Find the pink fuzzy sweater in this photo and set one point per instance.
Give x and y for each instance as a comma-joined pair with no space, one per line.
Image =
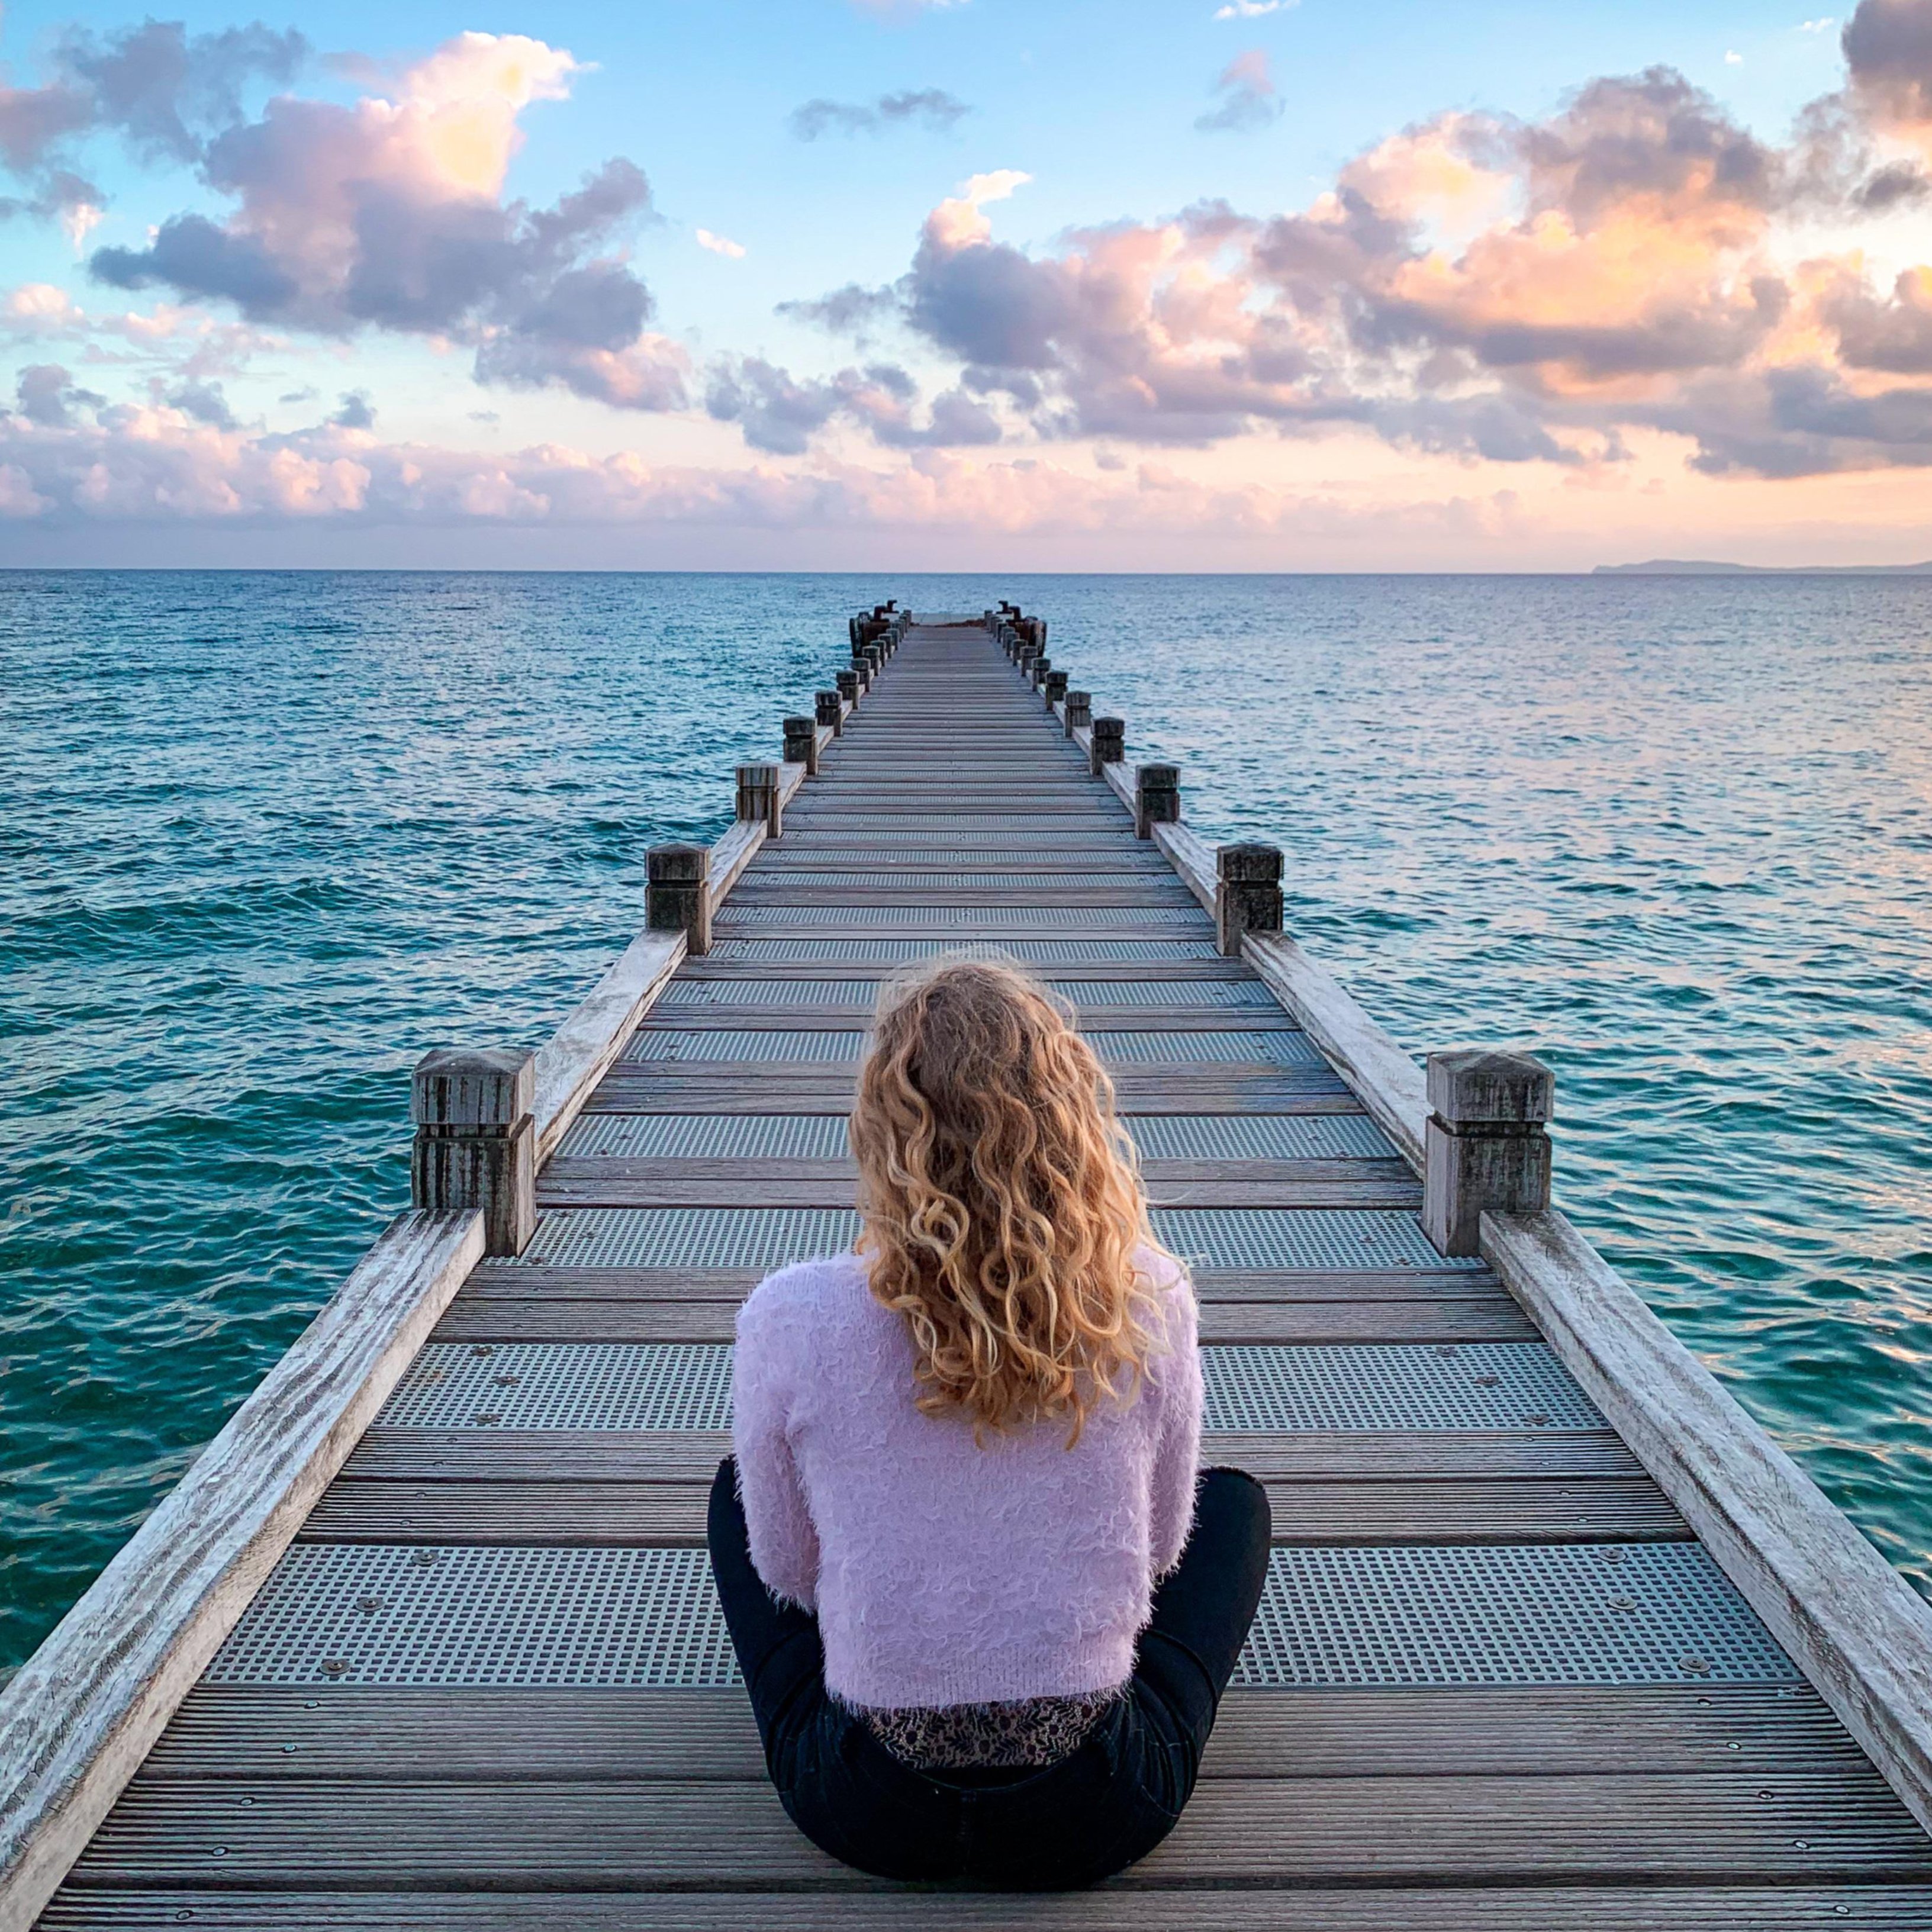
942,1572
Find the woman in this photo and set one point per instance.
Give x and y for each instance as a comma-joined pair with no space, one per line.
984,1602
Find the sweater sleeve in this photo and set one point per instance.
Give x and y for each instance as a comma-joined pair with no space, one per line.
1176,1446
784,1545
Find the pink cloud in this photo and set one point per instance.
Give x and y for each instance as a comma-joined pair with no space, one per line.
389,213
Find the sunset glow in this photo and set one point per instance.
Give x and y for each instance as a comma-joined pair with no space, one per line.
576,296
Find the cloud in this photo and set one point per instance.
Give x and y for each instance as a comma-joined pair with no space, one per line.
389,213
167,93
165,90
782,414
356,412
1888,46
1248,100
851,310
1477,287
46,396
931,109
203,402
158,465
1252,9
718,244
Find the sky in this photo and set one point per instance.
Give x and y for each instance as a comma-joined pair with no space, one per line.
969,284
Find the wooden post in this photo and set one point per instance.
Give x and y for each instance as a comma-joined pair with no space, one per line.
1485,1146
829,718
1055,686
847,681
1247,893
1079,711
1037,670
758,797
1109,745
677,893
476,1140
1157,798
801,744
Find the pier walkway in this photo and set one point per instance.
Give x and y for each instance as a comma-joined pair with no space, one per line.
477,1679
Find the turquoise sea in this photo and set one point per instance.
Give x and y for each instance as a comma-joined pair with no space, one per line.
265,838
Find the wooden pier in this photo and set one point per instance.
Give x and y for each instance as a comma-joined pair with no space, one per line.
1554,1637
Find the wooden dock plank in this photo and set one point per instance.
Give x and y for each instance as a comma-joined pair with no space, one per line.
1333,1512
1716,1907
466,1735
1702,1827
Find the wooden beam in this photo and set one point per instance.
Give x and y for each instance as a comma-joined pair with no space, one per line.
77,1720
1854,1625
570,1063
732,854
1388,1082
1193,859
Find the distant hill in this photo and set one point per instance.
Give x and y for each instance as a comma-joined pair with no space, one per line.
1670,566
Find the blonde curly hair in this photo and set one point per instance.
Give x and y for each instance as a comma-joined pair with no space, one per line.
1003,1210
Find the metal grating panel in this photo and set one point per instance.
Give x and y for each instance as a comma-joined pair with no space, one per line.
689,1237
731,1043
823,1137
1041,838
1251,1238
1034,951
1257,1387
565,1385
860,994
364,1613
1260,1137
1629,1613
1118,1048
709,1136
1641,1613
741,914
1284,1048
1106,859
952,822
1218,994
1272,1388
1301,1238
792,879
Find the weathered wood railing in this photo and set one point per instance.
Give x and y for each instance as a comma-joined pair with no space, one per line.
1852,1623
82,1713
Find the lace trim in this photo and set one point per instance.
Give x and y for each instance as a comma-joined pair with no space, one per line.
1022,1732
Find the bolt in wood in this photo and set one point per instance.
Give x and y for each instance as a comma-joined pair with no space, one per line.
1485,1144
677,893
758,797
1247,893
801,744
476,1140
1109,745
1157,798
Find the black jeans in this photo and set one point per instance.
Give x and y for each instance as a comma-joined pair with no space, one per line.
1070,1824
